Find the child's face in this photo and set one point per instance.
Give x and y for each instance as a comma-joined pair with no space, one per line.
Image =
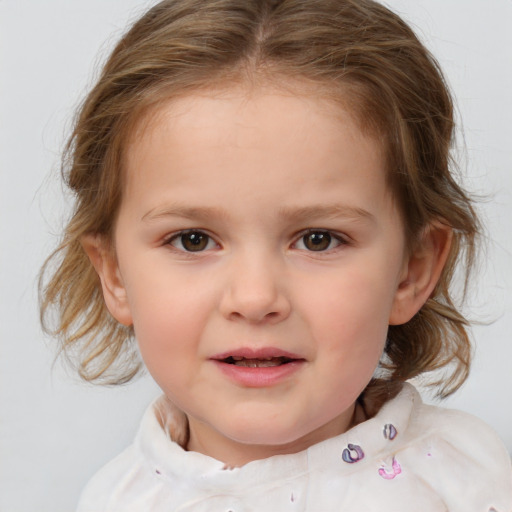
260,255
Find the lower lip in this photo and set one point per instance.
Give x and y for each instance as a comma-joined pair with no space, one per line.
254,377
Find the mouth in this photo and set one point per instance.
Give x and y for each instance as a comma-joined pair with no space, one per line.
266,357
267,362
258,368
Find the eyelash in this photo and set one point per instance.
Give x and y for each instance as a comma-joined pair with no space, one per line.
180,236
204,240
332,237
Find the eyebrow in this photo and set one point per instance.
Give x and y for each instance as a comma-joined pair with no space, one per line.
184,212
333,211
289,213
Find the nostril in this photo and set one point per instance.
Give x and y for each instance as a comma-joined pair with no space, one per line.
254,318
253,302
257,317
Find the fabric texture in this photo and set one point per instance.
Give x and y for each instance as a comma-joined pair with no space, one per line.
410,456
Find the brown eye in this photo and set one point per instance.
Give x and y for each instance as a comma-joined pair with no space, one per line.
192,241
317,241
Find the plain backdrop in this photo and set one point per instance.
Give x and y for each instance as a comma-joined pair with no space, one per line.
56,431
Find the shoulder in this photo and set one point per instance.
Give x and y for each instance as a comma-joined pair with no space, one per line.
97,494
124,479
133,479
468,436
460,456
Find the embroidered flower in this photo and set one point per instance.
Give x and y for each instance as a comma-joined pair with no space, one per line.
353,453
390,431
389,473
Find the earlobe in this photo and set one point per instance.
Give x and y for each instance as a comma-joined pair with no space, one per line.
421,272
104,262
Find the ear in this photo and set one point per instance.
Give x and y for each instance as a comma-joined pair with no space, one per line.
103,258
421,271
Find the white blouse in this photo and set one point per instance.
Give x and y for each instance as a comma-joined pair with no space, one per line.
410,457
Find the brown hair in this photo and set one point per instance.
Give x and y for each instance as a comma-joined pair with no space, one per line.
360,52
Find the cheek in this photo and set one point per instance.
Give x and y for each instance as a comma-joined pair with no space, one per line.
168,343
165,301
349,322
167,323
357,302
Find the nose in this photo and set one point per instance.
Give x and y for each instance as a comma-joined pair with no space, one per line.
255,291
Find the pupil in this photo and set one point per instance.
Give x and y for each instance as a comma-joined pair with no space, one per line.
194,241
317,241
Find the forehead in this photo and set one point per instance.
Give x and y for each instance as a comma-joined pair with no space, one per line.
280,113
258,146
337,101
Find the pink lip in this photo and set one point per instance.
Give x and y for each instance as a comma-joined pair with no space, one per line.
258,377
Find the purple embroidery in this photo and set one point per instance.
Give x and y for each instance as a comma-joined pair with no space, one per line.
387,474
390,431
347,453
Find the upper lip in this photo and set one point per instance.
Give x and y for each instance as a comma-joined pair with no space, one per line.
256,353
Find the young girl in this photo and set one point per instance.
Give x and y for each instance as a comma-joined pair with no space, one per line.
264,202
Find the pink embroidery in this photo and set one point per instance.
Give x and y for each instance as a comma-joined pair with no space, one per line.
396,469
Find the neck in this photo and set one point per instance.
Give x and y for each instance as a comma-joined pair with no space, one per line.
205,440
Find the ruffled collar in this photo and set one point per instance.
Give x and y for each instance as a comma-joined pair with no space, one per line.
164,429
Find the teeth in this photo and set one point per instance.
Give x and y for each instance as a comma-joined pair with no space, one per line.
257,363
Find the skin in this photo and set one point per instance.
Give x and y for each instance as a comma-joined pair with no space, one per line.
255,173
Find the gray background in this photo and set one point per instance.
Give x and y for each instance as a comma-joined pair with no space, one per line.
55,431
